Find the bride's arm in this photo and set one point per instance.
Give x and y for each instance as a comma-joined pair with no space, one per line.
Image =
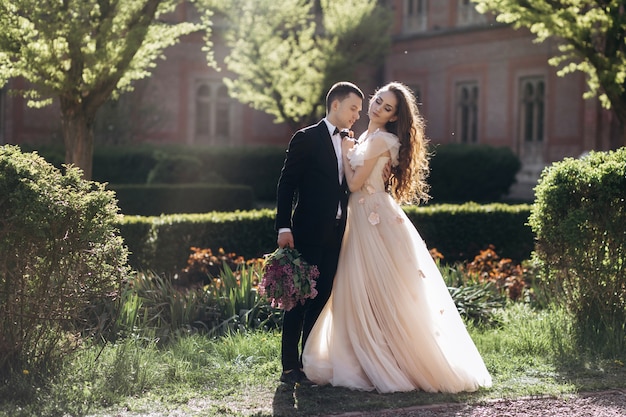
356,177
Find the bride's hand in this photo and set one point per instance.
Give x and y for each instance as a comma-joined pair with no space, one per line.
347,144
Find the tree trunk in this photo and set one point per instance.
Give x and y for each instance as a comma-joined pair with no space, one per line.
618,107
622,120
77,128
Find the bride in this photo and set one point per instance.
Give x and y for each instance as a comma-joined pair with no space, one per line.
390,323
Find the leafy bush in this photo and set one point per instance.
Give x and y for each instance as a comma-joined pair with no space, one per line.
507,276
480,173
61,258
579,218
203,265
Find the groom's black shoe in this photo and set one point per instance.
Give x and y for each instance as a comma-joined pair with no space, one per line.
295,376
291,377
303,379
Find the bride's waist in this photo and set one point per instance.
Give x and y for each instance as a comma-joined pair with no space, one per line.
364,192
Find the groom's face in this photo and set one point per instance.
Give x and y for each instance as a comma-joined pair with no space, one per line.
347,111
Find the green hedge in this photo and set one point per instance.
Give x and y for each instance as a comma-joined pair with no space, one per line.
459,232
459,173
257,167
153,200
481,173
163,243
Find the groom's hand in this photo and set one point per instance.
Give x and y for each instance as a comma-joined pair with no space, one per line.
285,239
387,171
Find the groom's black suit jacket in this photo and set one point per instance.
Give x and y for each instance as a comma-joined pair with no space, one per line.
310,174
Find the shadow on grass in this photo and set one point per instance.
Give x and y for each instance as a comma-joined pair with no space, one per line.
328,400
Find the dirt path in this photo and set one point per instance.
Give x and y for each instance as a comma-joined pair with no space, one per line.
593,404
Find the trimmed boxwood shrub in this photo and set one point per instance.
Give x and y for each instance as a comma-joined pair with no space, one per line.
123,164
255,166
459,232
153,200
579,218
163,243
480,173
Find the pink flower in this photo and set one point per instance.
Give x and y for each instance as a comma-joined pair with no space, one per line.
361,200
374,218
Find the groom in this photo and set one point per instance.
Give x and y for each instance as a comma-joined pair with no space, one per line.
313,174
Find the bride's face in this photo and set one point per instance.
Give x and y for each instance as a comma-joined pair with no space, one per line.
383,107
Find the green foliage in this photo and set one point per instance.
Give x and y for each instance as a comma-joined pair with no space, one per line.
592,36
153,200
475,301
154,306
83,48
82,52
61,259
287,54
480,173
241,306
159,307
579,219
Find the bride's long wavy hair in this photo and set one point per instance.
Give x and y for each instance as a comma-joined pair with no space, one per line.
408,179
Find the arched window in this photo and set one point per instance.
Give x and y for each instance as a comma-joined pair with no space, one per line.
415,16
203,111
223,114
213,115
532,109
467,14
467,112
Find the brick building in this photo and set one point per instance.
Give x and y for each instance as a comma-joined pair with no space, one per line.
478,81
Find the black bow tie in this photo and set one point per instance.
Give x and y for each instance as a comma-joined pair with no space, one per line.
342,133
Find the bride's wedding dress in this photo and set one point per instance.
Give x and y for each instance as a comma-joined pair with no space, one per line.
390,323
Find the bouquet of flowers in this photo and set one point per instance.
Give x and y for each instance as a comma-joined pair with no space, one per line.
287,279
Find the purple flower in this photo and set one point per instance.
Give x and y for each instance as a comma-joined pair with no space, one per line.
288,279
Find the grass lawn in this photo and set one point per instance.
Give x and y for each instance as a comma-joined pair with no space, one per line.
528,353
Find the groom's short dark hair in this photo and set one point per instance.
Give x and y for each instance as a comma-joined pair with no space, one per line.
341,90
